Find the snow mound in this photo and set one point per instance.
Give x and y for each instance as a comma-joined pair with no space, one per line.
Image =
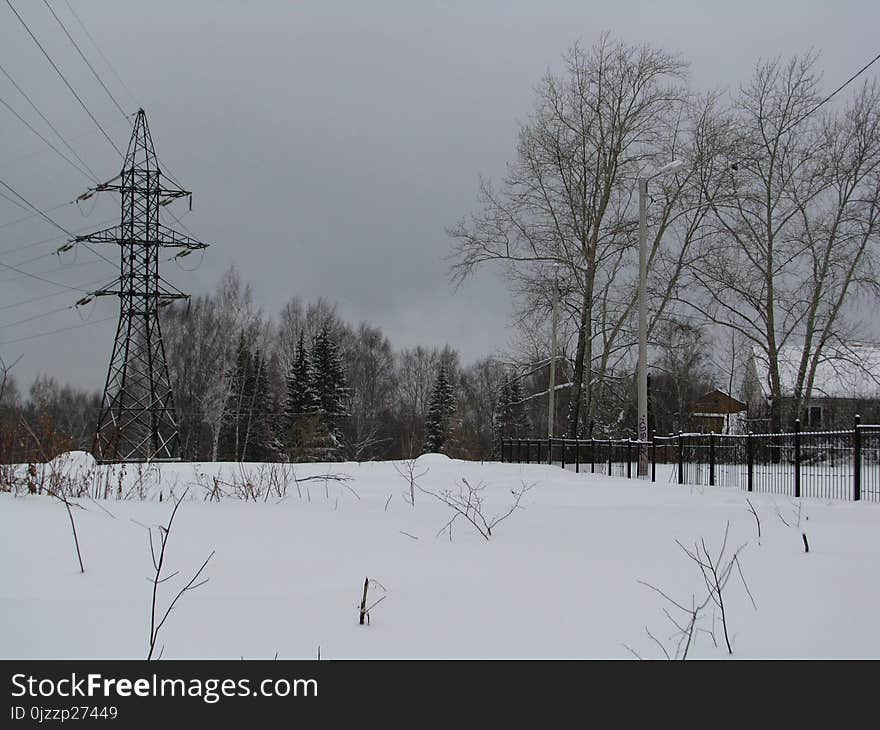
73,461
434,460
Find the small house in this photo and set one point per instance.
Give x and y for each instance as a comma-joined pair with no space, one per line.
712,412
846,383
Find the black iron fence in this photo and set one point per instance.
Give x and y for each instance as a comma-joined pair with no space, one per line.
824,464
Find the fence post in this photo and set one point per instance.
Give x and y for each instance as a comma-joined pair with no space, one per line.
653,454
529,451
549,451
857,458
680,458
711,458
628,458
750,458
519,451
577,456
592,455
539,452
562,461
797,457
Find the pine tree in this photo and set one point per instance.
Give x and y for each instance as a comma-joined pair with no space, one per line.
517,418
303,404
329,382
499,417
440,410
510,419
259,440
233,434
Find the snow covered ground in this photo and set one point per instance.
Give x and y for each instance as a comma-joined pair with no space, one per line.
558,578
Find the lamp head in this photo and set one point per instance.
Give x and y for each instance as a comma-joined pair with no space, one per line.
670,167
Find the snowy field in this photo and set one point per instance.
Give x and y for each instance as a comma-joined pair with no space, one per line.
559,577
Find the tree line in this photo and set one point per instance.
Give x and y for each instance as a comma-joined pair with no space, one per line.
304,386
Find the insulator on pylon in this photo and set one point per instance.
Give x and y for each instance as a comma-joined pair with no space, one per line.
185,252
84,300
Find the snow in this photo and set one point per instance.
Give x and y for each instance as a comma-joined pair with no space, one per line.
558,578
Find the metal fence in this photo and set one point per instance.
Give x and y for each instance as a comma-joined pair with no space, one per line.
823,464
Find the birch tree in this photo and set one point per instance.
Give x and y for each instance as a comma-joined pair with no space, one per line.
570,198
795,208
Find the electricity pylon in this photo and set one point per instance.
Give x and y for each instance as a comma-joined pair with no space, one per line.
137,420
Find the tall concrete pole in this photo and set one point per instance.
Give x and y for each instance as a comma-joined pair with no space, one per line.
551,402
643,328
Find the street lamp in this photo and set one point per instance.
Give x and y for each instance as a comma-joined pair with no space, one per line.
551,392
671,167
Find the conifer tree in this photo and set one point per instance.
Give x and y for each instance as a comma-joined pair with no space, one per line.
303,404
510,419
440,410
259,442
329,383
517,418
233,435
499,417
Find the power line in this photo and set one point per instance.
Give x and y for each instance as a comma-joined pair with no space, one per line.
59,227
47,240
35,208
36,316
31,215
40,278
64,79
832,94
46,296
50,125
100,52
67,267
14,202
65,140
46,141
82,56
54,332
168,171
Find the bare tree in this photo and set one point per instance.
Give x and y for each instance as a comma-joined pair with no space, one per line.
794,195
370,371
415,372
570,198
201,338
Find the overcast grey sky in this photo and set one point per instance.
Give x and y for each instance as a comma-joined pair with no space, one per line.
328,144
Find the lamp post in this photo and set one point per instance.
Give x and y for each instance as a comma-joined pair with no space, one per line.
551,399
673,166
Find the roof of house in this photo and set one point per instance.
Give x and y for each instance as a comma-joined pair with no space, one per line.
853,372
715,403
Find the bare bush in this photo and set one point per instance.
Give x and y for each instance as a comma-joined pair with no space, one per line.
408,472
67,503
467,502
163,533
686,619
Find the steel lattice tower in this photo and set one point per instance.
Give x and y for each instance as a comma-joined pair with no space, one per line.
137,420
